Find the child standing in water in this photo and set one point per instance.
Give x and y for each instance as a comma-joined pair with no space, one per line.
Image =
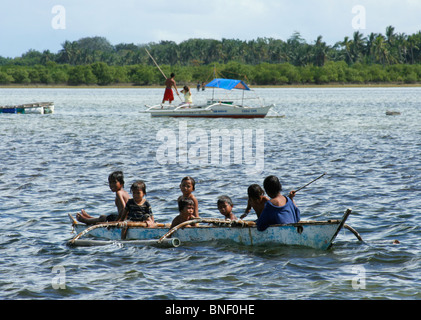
225,206
138,208
187,187
116,183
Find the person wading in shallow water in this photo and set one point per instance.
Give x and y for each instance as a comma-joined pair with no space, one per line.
168,94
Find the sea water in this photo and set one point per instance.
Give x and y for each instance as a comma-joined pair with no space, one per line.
56,164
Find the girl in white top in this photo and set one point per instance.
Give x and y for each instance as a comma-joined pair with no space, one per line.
187,95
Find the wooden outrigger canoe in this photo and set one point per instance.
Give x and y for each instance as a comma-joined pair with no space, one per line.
313,234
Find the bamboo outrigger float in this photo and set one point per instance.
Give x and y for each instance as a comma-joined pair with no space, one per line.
313,234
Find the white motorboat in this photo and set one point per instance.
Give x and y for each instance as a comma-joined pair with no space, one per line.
214,108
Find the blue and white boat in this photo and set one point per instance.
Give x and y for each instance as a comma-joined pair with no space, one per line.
222,107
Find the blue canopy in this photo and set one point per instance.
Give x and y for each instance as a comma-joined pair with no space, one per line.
227,84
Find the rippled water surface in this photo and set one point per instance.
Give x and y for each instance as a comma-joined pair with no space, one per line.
52,165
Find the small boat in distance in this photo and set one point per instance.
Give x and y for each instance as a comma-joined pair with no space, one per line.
32,108
214,108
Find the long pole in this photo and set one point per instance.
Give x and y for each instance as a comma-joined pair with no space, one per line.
310,182
161,70
156,64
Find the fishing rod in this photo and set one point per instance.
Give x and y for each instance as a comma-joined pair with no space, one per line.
289,196
310,182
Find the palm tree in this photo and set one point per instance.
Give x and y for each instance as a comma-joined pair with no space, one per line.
390,36
346,47
320,52
369,47
47,56
381,52
357,46
413,45
69,52
401,44
296,50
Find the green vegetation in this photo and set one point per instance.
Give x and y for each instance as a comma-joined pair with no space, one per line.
377,58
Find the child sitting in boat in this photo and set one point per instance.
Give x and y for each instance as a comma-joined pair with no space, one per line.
225,206
186,212
279,209
138,208
256,200
187,187
187,97
116,183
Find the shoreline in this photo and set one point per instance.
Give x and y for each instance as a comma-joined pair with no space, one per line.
289,86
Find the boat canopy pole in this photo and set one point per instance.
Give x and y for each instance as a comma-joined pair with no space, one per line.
213,89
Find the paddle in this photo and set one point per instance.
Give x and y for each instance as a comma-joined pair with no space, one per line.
309,183
161,70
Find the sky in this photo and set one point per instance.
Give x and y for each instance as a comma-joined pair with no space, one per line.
47,24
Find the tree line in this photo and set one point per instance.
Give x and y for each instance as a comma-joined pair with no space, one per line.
376,58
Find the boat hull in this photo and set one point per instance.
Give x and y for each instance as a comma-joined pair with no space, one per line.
215,111
313,234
